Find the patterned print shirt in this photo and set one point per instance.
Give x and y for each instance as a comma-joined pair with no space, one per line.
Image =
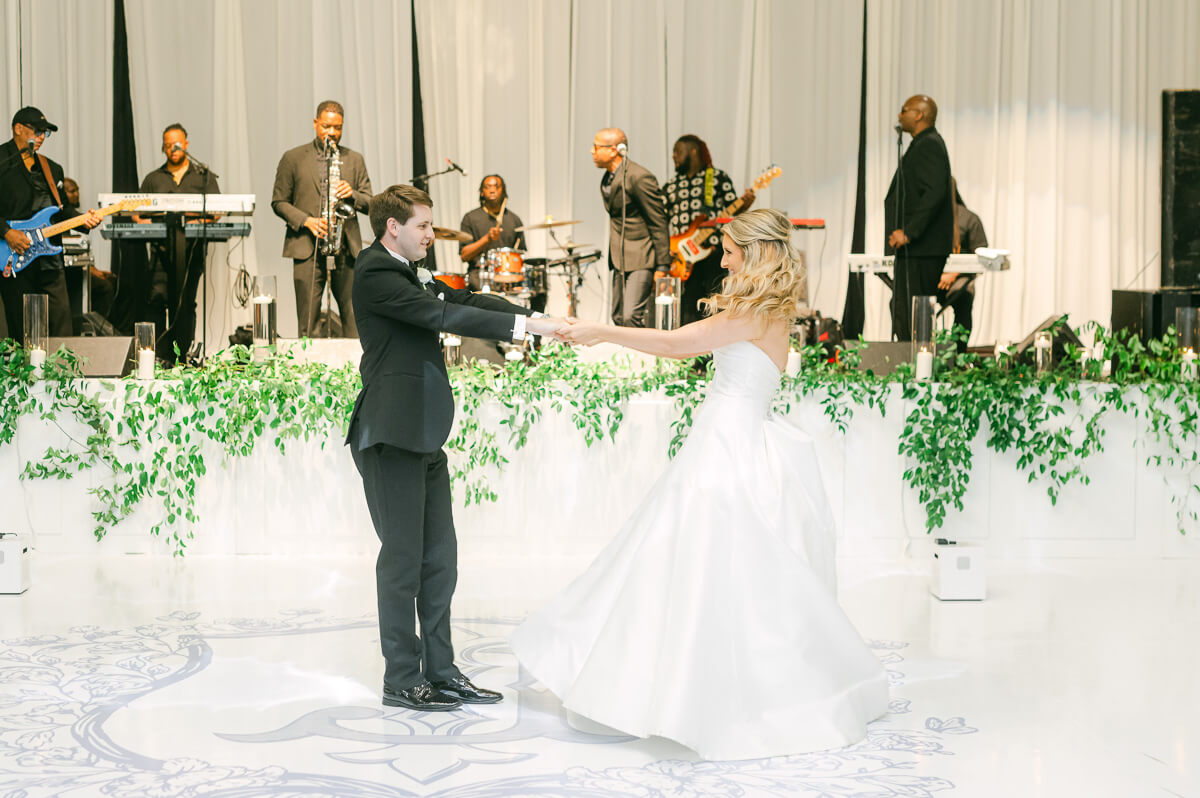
686,199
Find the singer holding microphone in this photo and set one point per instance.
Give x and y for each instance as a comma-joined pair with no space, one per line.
30,182
638,238
299,198
918,212
176,263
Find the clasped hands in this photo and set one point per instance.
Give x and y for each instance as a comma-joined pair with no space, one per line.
566,330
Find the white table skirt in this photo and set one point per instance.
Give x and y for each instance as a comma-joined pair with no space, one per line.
560,498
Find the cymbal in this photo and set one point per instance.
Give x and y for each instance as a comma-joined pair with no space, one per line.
571,246
546,225
450,234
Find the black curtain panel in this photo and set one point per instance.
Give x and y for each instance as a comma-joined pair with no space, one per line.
129,258
855,312
420,165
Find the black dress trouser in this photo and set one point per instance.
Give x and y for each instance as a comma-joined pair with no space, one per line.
43,276
408,494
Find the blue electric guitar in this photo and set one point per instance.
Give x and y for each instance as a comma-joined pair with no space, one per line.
40,231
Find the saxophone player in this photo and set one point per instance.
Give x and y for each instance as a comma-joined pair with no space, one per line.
300,197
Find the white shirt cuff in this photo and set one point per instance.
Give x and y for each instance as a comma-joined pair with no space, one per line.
518,328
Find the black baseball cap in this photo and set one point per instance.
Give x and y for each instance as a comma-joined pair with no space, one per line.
32,117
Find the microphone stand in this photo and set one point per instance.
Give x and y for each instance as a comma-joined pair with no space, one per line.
203,167
422,181
21,151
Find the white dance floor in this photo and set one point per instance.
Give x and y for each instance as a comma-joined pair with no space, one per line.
146,676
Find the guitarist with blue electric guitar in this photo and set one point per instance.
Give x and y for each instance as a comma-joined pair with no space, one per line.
30,186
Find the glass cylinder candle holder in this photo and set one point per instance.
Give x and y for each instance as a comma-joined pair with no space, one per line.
668,294
36,308
143,339
452,349
1187,330
924,311
1043,351
1001,350
263,330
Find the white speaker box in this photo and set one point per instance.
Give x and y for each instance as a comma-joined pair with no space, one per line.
14,563
958,572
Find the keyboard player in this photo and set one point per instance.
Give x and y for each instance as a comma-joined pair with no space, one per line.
176,262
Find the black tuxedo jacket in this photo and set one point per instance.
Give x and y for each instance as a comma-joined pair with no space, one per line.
926,213
406,401
647,238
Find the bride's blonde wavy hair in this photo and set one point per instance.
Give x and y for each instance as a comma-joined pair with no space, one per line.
771,285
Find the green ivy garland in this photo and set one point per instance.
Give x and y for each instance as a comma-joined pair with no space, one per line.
148,437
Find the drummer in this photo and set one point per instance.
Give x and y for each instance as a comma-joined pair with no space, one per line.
491,226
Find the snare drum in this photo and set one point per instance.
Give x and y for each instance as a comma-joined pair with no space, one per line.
505,264
452,280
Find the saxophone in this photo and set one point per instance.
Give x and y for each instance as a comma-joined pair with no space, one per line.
334,211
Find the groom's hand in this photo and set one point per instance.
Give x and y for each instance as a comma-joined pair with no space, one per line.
545,325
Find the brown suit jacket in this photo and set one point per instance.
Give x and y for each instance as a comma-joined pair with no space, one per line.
647,240
299,189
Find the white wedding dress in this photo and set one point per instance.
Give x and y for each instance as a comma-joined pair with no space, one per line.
711,618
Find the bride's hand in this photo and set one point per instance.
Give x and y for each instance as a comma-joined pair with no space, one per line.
586,333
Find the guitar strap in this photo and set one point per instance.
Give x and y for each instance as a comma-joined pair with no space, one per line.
49,180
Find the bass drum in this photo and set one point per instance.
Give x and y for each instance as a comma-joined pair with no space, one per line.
452,280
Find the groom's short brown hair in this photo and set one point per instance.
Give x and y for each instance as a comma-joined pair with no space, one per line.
395,202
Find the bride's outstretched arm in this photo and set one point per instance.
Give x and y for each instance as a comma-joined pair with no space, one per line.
689,340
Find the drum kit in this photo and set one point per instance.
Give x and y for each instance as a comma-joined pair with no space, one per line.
508,271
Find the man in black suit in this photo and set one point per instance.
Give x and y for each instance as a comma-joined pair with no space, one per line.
918,213
297,198
400,421
29,182
638,240
181,261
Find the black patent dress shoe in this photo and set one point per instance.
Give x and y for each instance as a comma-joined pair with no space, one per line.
462,689
423,698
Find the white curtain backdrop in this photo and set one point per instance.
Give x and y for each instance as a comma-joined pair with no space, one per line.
1051,111
245,78
520,89
61,51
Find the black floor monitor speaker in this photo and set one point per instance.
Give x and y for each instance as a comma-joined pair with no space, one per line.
1181,189
1148,314
101,356
1064,335
882,357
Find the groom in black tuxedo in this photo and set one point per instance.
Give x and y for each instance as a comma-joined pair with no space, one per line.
401,419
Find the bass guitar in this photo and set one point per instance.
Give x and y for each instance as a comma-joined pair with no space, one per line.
40,231
689,247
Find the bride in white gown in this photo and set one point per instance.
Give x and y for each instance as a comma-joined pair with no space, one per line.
711,618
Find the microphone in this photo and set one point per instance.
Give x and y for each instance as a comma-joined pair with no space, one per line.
899,130
31,146
199,164
456,167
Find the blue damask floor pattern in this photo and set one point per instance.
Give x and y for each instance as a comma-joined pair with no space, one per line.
239,677
62,698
